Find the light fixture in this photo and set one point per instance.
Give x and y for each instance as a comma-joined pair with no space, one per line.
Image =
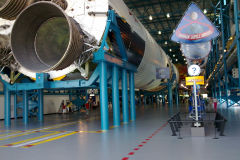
184,59
185,62
176,60
174,31
165,42
174,55
168,15
205,11
225,50
150,17
159,32
170,50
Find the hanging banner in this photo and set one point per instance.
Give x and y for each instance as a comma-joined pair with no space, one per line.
198,79
194,27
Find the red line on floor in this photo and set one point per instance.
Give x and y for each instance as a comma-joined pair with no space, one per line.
28,146
131,153
144,142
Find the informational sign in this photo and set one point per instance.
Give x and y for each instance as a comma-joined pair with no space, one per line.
194,27
198,79
162,73
194,70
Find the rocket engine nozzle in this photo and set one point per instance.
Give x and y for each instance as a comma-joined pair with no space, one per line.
44,38
10,9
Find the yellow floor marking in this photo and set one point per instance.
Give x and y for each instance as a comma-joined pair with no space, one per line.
52,127
31,139
1,135
48,131
19,135
33,131
51,139
91,131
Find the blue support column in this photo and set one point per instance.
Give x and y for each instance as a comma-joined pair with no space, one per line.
132,96
176,93
40,105
104,96
212,92
115,96
219,87
144,99
224,54
125,96
139,98
15,105
163,99
25,107
215,89
7,107
236,16
170,98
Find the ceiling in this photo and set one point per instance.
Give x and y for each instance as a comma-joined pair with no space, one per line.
158,10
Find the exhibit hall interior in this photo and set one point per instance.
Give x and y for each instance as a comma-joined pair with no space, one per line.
119,79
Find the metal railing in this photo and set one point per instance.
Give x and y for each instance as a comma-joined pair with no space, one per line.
176,123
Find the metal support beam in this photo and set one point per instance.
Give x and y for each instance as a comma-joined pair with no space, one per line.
139,98
7,107
115,96
176,94
25,107
103,96
219,87
224,54
15,106
236,15
170,97
125,96
215,88
40,105
163,99
132,96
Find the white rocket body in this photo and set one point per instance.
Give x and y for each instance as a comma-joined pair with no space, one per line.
94,26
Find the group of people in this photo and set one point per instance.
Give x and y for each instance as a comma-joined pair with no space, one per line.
66,107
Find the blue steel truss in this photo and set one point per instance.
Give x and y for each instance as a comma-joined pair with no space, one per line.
108,68
223,86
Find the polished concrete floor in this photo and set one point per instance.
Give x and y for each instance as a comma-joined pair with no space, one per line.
77,136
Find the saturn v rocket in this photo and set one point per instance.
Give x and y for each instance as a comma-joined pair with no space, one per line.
58,36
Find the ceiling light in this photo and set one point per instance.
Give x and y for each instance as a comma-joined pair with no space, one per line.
174,55
170,50
150,17
205,11
165,42
168,15
159,32
176,60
